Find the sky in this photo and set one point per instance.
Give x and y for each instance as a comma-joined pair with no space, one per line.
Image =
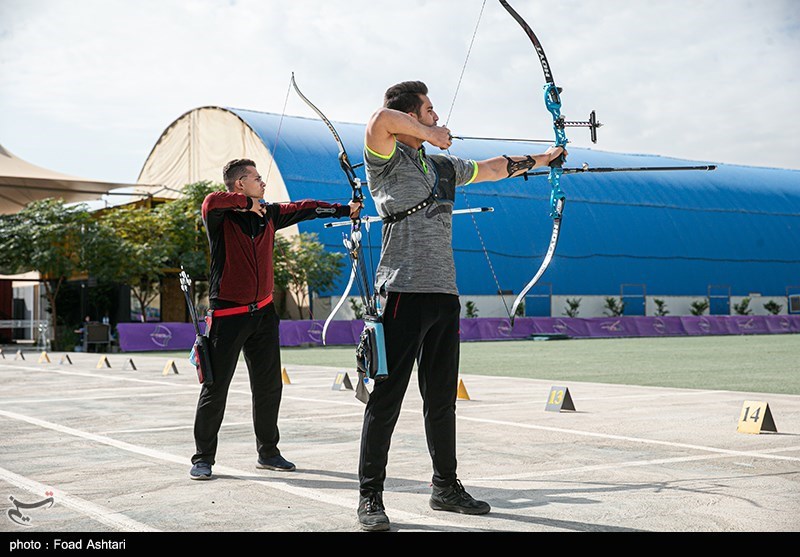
88,86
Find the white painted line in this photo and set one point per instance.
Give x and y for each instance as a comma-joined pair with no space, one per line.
630,439
618,465
95,512
317,400
325,417
106,390
94,437
225,424
80,398
195,388
99,376
539,398
648,396
349,502
170,428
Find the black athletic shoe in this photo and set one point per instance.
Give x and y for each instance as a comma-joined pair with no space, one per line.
277,463
456,499
371,513
200,471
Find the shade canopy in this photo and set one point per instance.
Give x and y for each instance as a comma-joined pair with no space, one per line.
22,182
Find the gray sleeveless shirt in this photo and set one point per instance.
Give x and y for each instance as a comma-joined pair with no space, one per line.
417,251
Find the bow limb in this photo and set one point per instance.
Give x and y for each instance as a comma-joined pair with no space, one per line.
339,304
358,273
344,160
543,267
552,101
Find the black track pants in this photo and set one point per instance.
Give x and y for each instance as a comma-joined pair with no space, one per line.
258,335
423,327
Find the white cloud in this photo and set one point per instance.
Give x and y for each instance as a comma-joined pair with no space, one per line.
87,86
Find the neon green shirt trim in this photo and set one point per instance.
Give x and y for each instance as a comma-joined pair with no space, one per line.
384,157
474,173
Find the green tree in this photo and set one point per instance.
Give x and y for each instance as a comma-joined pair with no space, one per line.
281,274
140,245
186,235
699,307
103,253
184,231
357,307
661,307
572,307
743,307
306,266
614,307
471,311
48,237
773,307
280,258
141,254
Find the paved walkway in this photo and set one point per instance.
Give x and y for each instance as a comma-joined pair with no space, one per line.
111,446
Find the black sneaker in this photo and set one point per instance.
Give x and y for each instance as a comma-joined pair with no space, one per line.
277,463
371,513
200,471
456,499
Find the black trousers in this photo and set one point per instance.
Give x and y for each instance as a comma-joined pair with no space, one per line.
258,335
422,328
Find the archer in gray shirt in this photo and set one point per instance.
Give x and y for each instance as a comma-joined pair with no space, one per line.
414,194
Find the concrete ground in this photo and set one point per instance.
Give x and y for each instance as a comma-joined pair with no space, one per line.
111,447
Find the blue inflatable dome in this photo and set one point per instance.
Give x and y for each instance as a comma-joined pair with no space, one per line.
675,232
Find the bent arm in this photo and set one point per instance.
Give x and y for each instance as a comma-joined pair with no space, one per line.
217,203
221,201
386,123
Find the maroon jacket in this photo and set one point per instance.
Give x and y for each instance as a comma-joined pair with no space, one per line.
242,242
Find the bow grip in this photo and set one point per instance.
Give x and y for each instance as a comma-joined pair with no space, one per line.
558,162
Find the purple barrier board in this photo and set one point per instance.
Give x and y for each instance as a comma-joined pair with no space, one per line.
145,337
178,336
632,326
141,337
296,333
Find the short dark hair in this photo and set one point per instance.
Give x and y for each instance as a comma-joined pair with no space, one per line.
405,96
234,170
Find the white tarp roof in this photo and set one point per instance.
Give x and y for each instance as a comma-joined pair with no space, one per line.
22,182
197,146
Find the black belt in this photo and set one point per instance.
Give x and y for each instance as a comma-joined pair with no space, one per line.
397,217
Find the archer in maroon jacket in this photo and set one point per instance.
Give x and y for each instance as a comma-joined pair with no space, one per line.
241,234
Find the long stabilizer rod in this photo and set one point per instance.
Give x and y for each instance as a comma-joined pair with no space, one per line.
378,219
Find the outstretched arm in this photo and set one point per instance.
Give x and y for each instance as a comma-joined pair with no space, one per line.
288,214
492,170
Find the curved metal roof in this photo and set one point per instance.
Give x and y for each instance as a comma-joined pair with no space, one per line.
675,232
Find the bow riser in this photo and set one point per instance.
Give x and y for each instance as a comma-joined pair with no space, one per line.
552,101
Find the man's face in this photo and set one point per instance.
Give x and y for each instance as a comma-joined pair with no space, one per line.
427,116
251,184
